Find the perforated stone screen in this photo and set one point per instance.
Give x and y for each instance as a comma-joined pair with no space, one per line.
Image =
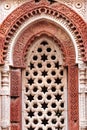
44,88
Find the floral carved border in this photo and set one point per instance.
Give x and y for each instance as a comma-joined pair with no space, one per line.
30,9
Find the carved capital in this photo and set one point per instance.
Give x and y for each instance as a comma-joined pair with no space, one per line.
4,78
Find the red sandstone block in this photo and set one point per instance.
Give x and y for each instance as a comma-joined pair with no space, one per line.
15,82
1,50
15,110
15,126
73,110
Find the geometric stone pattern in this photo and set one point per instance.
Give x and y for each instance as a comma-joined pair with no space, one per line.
73,82
44,94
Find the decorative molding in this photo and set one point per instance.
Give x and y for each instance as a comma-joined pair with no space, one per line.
15,100
82,78
15,78
27,10
5,79
5,99
21,47
73,119
78,5
83,95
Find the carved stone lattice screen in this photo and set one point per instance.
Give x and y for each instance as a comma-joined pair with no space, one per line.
44,88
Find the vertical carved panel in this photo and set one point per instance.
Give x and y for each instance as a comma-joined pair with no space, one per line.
15,82
73,98
15,99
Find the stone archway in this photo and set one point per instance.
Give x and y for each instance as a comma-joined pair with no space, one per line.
21,17
48,29
30,9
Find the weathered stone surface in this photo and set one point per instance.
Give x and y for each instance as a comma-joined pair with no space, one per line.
73,106
15,82
15,126
15,110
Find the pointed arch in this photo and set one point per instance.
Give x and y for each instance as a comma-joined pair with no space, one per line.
30,9
34,30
